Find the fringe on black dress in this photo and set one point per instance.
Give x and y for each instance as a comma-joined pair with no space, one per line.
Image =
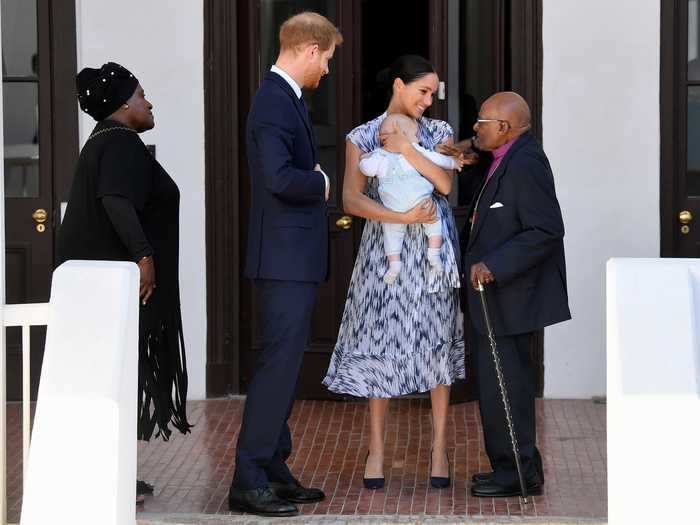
162,374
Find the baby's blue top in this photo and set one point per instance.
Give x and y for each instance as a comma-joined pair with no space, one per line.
401,186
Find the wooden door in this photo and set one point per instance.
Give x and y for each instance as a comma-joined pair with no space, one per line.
332,115
28,191
344,99
38,74
680,128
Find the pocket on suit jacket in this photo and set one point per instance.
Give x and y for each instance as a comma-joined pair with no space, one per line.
294,220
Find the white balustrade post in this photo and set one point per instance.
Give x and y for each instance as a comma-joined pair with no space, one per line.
653,389
26,398
82,461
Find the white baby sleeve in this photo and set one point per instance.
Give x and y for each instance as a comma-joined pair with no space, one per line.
373,165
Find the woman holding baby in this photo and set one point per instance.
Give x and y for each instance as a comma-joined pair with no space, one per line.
402,329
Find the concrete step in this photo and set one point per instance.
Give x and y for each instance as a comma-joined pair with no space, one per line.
230,519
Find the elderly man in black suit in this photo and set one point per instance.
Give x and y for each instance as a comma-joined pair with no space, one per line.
516,249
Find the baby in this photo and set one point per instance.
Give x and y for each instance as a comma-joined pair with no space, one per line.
401,187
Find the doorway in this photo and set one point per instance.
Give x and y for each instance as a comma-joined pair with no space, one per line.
383,39
472,43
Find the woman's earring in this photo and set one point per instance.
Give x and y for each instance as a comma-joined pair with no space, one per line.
126,106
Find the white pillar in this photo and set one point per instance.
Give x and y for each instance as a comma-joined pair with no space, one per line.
653,322
82,461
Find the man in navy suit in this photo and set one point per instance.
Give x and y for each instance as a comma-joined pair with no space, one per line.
516,249
287,257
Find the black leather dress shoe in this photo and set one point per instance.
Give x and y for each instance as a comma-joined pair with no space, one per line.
262,502
482,477
295,493
143,488
491,489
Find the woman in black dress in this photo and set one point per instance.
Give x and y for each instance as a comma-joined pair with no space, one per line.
123,206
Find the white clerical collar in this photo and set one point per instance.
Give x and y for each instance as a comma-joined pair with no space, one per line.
288,78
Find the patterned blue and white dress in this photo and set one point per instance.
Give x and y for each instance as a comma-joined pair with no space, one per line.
406,337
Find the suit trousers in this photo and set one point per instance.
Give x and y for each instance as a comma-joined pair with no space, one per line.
265,442
519,375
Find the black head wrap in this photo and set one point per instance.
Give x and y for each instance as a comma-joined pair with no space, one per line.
102,91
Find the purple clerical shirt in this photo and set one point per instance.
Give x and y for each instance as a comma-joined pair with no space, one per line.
498,155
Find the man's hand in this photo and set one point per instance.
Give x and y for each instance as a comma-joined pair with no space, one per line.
480,272
147,273
325,178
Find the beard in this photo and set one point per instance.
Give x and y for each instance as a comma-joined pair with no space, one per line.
313,81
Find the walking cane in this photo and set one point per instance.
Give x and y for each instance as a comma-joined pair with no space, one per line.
504,392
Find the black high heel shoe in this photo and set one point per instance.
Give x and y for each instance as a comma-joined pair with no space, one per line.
372,483
438,482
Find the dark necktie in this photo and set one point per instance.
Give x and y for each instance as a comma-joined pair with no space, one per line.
307,116
303,105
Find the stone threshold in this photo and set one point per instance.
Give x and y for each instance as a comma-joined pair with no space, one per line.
237,519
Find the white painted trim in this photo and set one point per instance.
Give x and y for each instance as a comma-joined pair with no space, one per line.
36,314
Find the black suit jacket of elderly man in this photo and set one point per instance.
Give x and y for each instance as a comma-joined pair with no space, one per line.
518,233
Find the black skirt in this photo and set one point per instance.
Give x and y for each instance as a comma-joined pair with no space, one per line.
114,161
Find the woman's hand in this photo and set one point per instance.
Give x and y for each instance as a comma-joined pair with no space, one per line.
396,141
422,213
148,278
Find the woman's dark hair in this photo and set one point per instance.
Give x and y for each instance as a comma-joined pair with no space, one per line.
407,67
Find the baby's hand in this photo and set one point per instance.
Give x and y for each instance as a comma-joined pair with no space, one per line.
469,157
459,162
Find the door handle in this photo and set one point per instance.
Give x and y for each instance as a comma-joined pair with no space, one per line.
40,217
685,217
344,223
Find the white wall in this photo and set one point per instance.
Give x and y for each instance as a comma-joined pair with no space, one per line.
161,42
601,132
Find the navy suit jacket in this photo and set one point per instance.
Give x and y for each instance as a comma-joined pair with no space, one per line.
522,244
288,226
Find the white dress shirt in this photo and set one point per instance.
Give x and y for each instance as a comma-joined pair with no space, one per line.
297,91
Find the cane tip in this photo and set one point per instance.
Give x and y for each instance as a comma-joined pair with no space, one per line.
524,500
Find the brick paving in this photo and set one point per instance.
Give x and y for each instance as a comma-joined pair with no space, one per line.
192,473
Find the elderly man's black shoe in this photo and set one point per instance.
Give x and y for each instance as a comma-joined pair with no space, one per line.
483,477
491,489
262,502
295,493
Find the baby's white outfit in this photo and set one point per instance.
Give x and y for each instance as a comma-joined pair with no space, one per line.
401,187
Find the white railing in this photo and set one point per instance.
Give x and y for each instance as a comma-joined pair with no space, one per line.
24,316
